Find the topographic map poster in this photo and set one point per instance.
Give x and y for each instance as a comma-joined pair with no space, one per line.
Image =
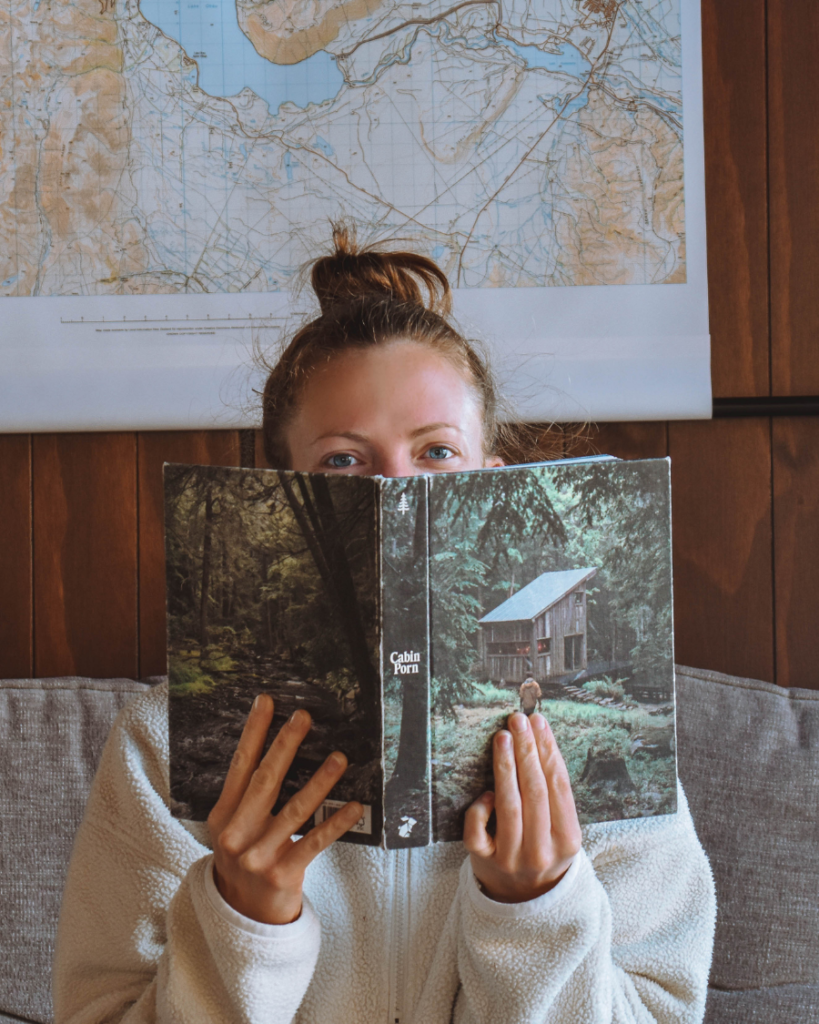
168,166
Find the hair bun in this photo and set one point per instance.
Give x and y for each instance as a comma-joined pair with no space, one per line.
355,273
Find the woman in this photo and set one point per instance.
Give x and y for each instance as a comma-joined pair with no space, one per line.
541,922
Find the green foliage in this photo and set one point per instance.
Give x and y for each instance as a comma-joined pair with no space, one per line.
243,580
580,726
507,508
447,693
216,660
619,522
606,687
186,677
455,576
487,694
462,754
340,681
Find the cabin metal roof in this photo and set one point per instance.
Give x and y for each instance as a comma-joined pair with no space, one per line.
539,595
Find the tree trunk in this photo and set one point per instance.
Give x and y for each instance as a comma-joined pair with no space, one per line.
225,584
411,764
204,592
332,543
318,522
269,623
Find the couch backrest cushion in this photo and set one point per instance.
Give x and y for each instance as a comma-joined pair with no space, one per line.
51,736
748,755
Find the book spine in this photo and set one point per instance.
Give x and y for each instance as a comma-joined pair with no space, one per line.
404,560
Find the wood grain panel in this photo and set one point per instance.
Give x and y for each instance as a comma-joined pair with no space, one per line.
629,440
15,557
796,550
203,448
733,52
261,461
723,574
85,555
793,40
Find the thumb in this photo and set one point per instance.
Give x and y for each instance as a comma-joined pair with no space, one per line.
476,839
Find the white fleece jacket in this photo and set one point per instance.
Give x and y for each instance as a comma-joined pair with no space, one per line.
144,936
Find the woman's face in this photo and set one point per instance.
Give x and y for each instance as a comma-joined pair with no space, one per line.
394,410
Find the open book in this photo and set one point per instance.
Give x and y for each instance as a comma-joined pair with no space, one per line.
410,617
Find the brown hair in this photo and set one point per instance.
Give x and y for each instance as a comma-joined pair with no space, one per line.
368,297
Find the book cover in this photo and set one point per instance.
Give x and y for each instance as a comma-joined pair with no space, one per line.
410,617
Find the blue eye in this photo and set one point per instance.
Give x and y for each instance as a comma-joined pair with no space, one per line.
438,451
341,461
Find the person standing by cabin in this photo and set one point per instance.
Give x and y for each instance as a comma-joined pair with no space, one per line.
167,921
530,694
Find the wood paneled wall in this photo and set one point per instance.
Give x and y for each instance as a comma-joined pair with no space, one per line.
81,562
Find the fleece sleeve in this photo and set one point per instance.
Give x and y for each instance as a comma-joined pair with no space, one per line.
144,935
626,937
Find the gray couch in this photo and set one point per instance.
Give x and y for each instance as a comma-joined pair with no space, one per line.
748,756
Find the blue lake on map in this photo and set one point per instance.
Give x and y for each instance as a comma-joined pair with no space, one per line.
209,32
568,59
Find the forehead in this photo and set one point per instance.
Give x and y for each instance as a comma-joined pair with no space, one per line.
403,383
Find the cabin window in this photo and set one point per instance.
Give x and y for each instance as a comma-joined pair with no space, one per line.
544,645
509,647
578,597
573,651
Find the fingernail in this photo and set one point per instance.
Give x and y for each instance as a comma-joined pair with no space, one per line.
518,722
258,703
504,740
297,718
335,761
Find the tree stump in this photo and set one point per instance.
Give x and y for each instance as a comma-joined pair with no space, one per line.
606,770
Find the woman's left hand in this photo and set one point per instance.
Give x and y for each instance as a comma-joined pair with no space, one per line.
537,832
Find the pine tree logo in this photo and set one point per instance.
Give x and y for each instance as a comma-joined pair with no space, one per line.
403,504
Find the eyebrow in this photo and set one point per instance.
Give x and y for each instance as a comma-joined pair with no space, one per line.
434,426
352,436
343,433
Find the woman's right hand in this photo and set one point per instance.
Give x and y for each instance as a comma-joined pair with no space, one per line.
258,869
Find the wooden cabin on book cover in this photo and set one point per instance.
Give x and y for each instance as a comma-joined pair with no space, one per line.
540,631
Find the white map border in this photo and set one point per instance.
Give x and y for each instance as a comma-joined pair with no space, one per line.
165,362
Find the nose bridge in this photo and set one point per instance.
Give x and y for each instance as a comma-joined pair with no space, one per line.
395,462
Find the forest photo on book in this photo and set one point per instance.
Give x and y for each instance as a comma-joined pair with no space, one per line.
272,587
562,574
406,616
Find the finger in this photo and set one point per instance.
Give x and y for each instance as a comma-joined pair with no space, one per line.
565,823
304,804
509,832
320,837
534,793
477,839
244,761
252,814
